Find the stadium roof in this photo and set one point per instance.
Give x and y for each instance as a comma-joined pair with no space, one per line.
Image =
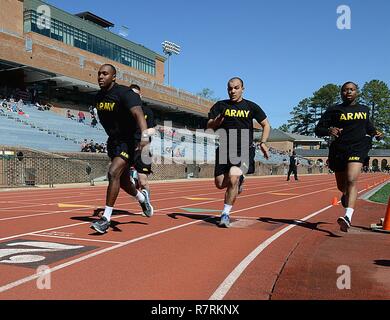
279,135
86,15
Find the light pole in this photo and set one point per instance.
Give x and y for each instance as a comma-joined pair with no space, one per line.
169,48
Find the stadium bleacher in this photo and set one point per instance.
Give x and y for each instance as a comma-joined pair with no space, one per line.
46,130
52,131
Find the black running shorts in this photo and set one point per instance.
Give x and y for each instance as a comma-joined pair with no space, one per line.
139,165
123,149
222,168
341,155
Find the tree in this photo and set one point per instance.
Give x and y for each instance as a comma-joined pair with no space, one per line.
376,95
284,127
323,98
208,94
302,120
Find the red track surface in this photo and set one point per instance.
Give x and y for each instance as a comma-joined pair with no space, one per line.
177,254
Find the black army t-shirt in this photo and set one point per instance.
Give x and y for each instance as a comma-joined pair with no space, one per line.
238,115
353,119
149,121
113,107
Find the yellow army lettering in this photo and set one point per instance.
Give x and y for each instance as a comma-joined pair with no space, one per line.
354,159
124,154
236,113
106,106
354,116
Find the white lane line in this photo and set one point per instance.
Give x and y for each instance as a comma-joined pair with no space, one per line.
91,255
154,201
72,238
163,209
69,263
226,285
43,214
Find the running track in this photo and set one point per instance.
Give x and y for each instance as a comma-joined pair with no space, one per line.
179,253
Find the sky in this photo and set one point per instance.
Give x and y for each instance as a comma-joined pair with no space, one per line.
283,50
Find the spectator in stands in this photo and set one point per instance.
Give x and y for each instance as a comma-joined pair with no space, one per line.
81,116
84,145
229,172
119,113
93,121
47,106
20,104
39,107
14,106
69,115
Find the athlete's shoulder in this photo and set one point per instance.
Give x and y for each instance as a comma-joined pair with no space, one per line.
335,107
253,106
220,103
122,89
363,107
251,103
146,109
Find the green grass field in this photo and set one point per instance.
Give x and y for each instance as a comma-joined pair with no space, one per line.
381,195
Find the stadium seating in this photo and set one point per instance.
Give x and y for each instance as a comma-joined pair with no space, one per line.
50,131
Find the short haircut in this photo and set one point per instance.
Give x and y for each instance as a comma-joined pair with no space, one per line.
135,86
111,66
237,78
349,82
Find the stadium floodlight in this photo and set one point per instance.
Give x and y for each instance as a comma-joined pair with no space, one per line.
170,48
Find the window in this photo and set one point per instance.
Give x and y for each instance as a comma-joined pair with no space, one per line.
83,40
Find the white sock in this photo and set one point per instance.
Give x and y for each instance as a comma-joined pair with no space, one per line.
108,212
349,213
140,197
226,209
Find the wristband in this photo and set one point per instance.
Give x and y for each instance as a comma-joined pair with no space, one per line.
262,142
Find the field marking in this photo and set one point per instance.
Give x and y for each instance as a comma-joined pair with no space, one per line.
73,238
91,255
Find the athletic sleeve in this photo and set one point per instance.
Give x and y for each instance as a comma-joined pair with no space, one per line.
323,125
258,113
130,99
215,110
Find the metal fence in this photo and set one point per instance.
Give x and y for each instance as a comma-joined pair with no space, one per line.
30,171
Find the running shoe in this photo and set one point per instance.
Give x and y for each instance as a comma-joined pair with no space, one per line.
146,205
344,223
225,221
101,225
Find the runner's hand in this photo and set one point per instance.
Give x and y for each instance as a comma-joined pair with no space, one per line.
335,132
218,121
265,150
378,135
141,145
